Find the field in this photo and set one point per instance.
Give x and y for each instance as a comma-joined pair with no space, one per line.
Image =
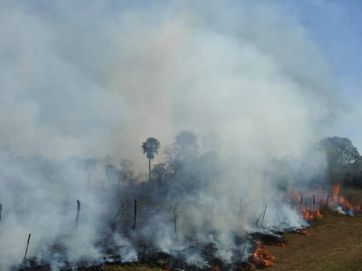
334,243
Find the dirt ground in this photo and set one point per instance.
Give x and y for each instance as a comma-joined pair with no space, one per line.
335,243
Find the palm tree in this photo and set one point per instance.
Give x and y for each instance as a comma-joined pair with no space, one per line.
150,147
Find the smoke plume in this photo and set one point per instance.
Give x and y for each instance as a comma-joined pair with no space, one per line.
94,80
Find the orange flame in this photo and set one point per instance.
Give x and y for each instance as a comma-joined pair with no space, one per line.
338,200
335,190
309,205
310,215
261,257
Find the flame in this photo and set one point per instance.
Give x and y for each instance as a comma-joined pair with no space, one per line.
261,258
309,204
311,211
302,232
310,215
335,190
338,200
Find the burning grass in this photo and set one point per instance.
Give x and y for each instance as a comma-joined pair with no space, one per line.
353,195
344,201
335,243
261,258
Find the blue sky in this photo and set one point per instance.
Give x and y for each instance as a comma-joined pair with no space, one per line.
337,27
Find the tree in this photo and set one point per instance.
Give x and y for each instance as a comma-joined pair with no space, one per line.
159,173
186,145
111,172
183,159
125,173
90,165
343,158
150,147
340,151
184,152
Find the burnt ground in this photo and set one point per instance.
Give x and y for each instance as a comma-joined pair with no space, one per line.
334,243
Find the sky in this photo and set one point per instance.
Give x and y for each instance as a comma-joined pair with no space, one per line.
334,26
337,27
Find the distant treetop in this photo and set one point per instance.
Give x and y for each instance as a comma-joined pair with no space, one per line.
339,150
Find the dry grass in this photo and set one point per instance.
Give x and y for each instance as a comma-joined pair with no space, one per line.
353,195
335,243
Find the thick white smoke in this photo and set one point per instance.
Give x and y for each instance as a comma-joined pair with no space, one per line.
94,80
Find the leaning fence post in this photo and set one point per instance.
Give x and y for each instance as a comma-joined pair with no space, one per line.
78,211
328,200
27,246
262,220
135,215
175,219
240,207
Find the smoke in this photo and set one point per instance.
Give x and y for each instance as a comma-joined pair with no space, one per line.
96,79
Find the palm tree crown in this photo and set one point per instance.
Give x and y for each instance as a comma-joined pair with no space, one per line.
150,147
